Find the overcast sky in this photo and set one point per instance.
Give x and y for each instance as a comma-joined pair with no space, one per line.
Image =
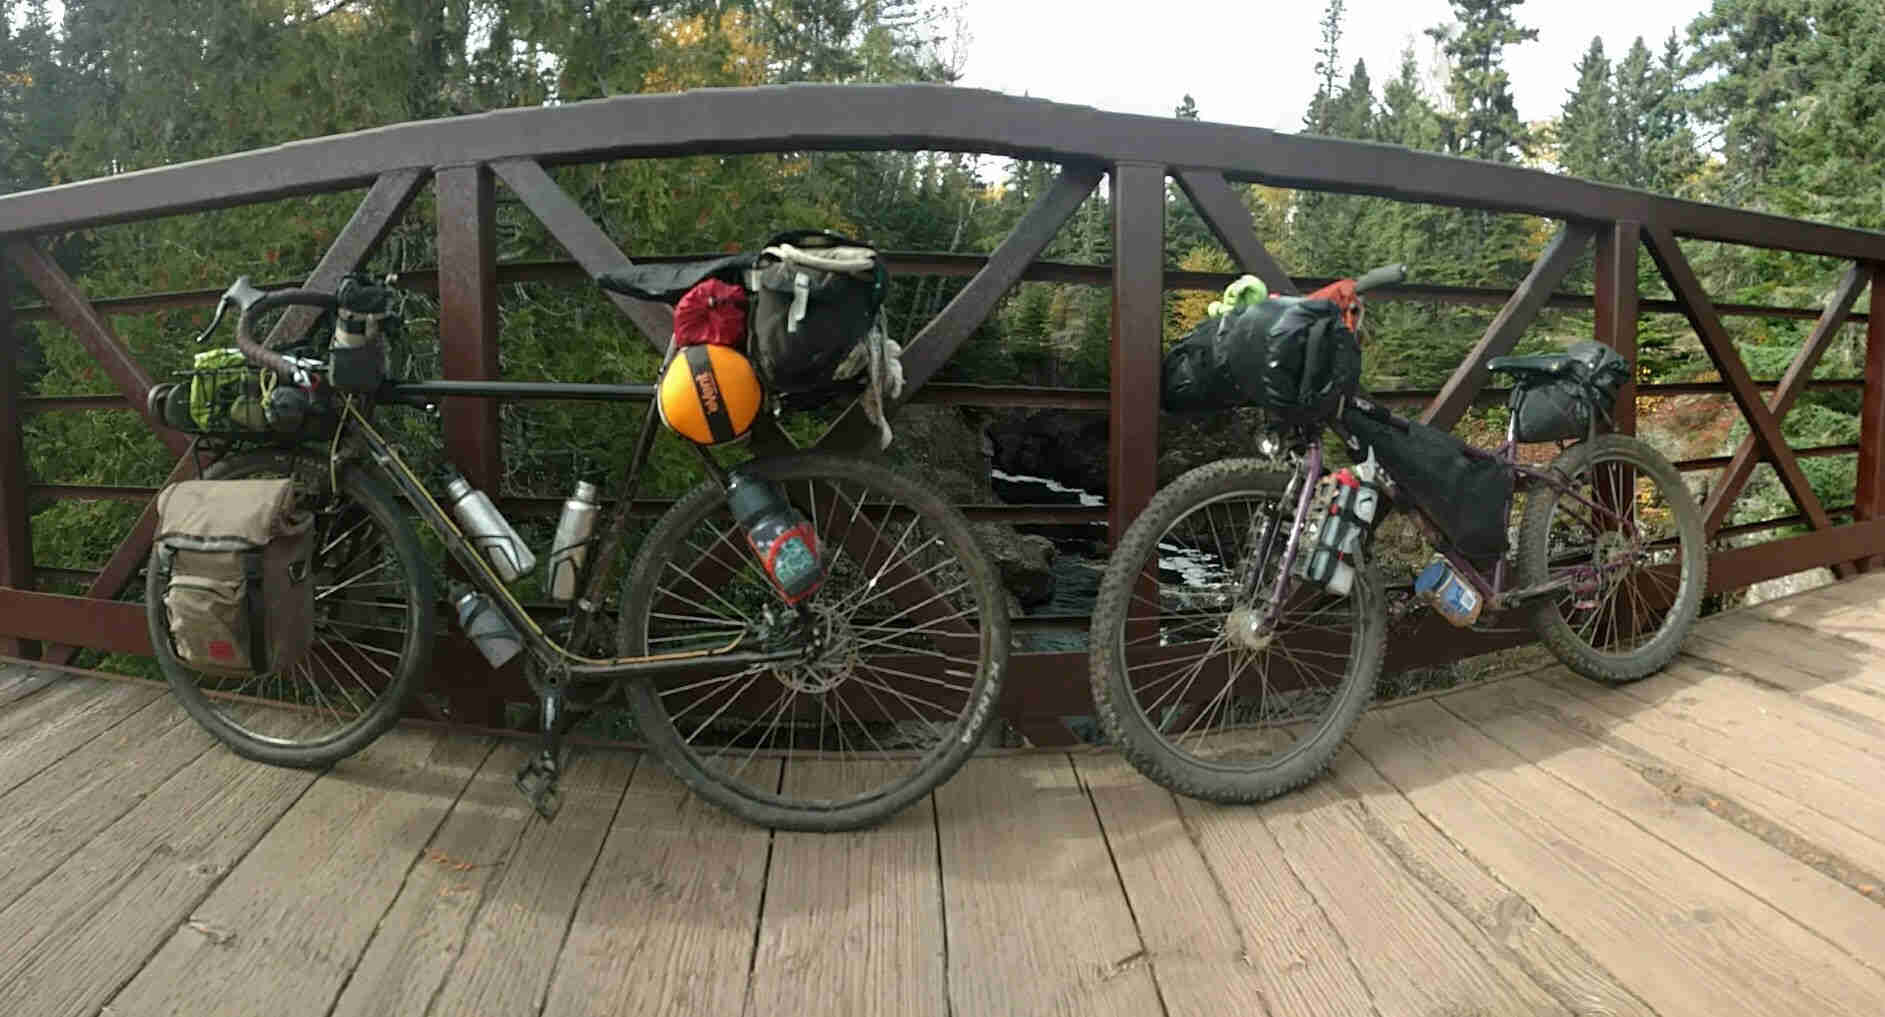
1254,63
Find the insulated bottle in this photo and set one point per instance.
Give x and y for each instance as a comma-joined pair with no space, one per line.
487,529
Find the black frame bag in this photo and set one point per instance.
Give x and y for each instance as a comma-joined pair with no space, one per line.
1467,497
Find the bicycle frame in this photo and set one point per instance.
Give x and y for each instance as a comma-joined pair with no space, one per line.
1491,588
548,652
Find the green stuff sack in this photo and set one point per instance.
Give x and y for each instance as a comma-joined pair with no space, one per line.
232,559
225,394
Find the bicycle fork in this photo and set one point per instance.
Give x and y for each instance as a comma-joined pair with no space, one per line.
1253,618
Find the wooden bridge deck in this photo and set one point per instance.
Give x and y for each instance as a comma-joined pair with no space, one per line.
1710,841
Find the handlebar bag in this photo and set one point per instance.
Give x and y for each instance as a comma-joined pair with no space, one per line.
232,558
1563,403
1465,496
1291,356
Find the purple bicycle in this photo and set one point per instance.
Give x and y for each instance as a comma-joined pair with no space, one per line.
1241,623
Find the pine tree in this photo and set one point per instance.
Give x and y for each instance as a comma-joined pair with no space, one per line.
1407,116
1328,70
1587,123
1749,54
1635,86
1486,124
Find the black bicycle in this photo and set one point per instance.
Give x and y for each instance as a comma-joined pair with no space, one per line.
1231,653
825,714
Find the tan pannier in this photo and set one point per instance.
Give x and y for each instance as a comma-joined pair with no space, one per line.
232,559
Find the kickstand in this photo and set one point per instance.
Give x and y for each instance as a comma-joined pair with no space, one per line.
537,778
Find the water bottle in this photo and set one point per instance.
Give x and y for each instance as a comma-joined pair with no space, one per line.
1451,596
570,546
487,628
487,529
781,538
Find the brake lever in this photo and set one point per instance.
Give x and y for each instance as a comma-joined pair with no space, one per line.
240,293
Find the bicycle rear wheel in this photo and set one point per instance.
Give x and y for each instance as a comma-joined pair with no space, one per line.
1194,704
1638,579
912,625
373,628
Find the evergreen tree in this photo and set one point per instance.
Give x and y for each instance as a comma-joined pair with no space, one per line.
1486,124
1587,123
1328,70
1749,57
1407,116
1635,89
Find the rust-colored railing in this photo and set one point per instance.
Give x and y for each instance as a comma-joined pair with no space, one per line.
465,158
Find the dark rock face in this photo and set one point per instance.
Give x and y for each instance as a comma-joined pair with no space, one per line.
1026,562
1071,448
937,444
1063,446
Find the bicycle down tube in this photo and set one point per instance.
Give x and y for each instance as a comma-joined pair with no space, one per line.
547,650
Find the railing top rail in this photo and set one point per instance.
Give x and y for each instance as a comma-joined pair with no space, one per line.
892,117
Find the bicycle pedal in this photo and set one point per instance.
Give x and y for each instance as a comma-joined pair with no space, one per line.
537,782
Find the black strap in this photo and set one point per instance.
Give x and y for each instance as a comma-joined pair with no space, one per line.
253,595
712,402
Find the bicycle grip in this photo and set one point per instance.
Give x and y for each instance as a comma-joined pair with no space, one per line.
1386,275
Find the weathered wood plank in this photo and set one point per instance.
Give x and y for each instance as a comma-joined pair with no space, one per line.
18,682
1304,965
511,953
1831,845
853,923
667,921
1819,777
1677,934
46,819
1038,922
84,930
1552,960
424,932
38,732
1811,898
282,933
1839,673
1391,923
1199,957
1739,708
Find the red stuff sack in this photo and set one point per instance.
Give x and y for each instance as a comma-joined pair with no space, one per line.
713,313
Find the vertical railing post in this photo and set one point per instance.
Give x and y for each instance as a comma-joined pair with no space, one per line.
1138,330
16,541
1617,247
467,236
1869,495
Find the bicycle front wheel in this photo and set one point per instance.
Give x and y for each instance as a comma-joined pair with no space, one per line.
1186,687
911,630
374,618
